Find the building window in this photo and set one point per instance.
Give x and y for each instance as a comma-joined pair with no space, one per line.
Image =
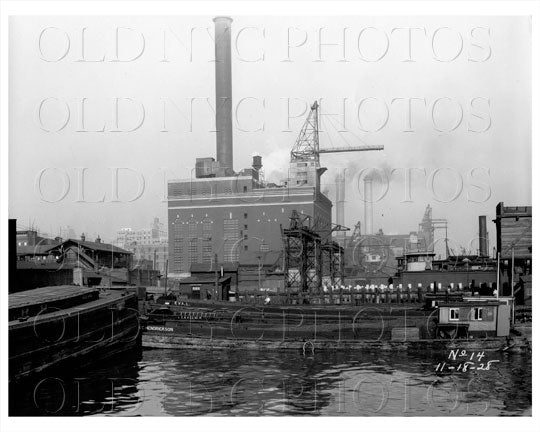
196,292
245,227
478,313
193,250
245,215
207,255
245,188
454,314
245,247
230,236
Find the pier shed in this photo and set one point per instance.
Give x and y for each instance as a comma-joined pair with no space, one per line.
202,287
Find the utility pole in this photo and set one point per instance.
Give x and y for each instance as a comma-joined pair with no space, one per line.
259,269
498,272
512,285
216,286
112,266
446,240
341,279
166,274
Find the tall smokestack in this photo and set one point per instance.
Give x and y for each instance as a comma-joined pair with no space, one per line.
482,236
368,208
224,145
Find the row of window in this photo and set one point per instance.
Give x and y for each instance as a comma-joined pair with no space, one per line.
477,314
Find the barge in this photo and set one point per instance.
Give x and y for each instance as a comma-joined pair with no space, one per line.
308,328
56,326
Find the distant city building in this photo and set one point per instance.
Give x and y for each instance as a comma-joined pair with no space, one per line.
149,246
375,256
33,247
33,238
67,232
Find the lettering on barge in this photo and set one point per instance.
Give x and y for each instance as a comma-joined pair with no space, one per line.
162,329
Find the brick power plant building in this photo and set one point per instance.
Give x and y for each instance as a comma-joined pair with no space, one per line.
235,217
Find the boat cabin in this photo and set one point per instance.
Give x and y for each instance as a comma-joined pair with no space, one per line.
474,318
416,261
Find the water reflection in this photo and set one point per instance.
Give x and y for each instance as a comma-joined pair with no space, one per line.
183,383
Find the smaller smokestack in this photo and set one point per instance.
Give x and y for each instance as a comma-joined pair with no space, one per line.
482,236
368,208
340,199
257,163
83,237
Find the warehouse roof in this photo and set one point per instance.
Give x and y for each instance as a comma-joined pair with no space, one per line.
211,267
203,280
98,246
33,250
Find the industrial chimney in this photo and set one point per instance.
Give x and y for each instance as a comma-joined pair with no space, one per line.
368,208
257,163
340,199
224,145
482,237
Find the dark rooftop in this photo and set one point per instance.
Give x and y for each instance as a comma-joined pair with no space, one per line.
205,268
98,246
471,303
34,250
202,280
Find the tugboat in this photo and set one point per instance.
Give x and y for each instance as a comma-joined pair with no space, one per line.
55,326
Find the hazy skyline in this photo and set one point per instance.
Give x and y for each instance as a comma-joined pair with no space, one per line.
373,75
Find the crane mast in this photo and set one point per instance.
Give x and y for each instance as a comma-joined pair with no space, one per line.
306,147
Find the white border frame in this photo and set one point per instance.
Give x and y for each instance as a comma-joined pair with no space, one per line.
390,8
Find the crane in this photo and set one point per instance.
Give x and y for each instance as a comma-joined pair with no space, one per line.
306,147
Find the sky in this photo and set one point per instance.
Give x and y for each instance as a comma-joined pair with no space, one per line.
104,110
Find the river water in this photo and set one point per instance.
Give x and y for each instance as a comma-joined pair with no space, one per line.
263,383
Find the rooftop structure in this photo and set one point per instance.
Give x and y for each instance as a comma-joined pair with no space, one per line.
514,231
91,254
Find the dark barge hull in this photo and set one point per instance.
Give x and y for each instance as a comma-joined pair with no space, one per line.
79,335
308,328
164,341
